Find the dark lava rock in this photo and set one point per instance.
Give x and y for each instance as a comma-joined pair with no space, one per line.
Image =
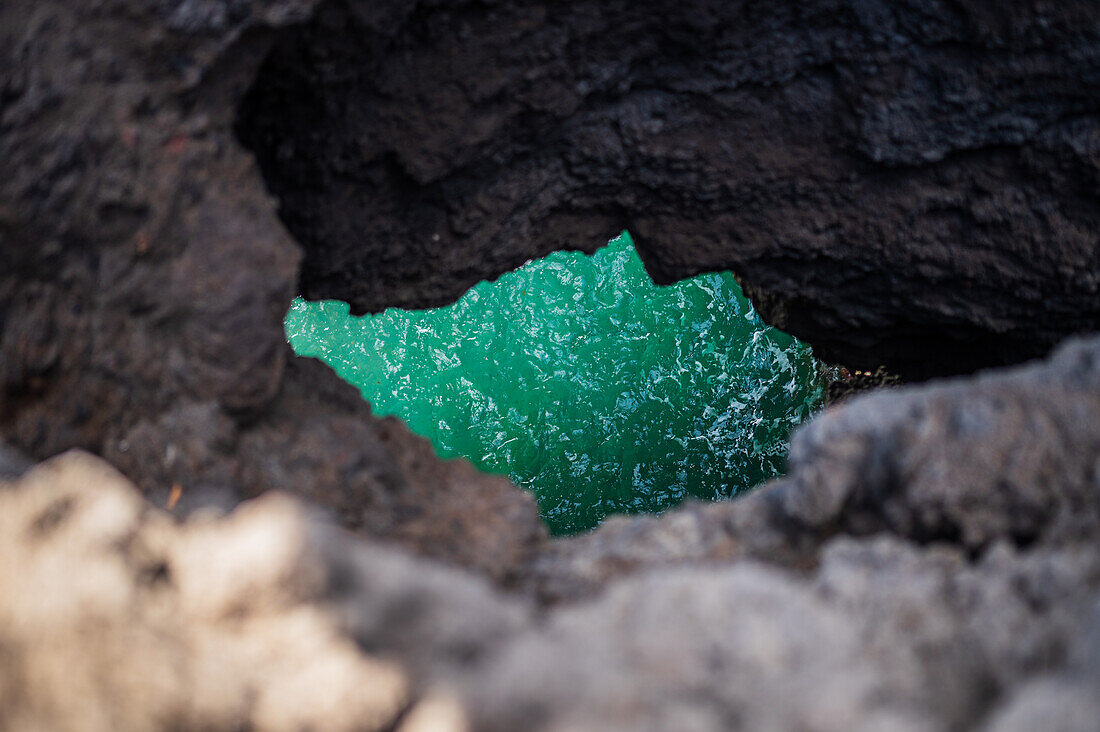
144,277
903,183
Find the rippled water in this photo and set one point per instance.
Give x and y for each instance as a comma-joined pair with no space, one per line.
582,380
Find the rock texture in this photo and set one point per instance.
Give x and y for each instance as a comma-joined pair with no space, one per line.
1007,457
923,175
881,636
114,617
818,603
144,277
919,174
902,183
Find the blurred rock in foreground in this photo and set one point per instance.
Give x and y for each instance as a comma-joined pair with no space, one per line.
930,564
115,616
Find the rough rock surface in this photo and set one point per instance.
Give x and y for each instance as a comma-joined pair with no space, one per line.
144,277
883,635
828,601
923,174
144,273
908,183
115,617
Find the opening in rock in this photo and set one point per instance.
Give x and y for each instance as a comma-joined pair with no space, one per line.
583,381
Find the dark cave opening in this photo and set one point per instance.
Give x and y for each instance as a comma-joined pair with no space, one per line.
408,177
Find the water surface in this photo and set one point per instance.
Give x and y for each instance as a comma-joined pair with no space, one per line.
583,381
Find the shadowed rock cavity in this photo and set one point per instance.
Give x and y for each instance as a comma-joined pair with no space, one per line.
911,184
144,274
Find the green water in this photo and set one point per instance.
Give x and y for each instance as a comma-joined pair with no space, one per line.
583,381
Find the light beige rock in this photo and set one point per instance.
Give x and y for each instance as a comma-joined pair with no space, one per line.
115,617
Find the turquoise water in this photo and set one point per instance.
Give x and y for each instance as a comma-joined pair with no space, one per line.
583,381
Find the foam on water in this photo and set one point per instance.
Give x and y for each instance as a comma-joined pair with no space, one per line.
583,381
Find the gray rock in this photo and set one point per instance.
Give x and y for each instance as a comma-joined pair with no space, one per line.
1065,701
12,462
1009,455
744,647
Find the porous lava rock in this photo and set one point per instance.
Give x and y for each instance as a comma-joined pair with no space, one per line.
144,277
902,183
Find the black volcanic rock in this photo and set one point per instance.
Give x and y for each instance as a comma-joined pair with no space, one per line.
144,278
911,184
1008,457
